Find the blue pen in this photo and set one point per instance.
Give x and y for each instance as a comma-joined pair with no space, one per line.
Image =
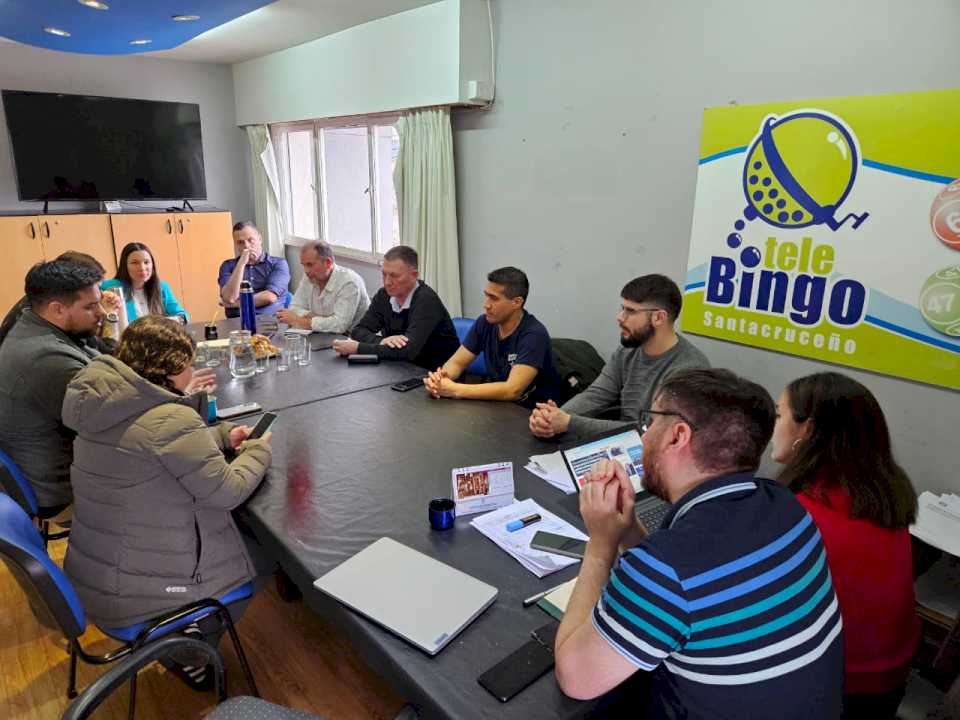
515,525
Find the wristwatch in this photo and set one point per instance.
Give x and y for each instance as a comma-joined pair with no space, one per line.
112,317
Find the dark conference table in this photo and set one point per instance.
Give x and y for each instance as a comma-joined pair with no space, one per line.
351,469
355,461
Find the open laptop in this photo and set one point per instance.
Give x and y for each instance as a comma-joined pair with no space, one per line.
422,600
623,445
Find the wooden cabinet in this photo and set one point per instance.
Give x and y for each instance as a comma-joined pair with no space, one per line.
205,240
89,234
30,239
20,239
187,248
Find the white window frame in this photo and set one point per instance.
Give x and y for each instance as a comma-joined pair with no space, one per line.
278,133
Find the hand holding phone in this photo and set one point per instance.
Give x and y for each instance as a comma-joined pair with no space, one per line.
262,426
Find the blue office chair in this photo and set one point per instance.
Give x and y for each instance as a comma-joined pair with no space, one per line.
478,366
16,486
57,605
287,299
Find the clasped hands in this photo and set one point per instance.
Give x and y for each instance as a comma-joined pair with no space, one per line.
607,506
439,385
548,420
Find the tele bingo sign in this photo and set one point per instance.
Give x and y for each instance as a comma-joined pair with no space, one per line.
823,230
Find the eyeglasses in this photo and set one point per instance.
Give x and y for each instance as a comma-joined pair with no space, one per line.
630,312
646,418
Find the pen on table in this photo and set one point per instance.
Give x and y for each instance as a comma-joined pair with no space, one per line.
540,595
515,525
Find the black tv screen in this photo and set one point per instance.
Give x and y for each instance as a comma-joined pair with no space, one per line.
80,147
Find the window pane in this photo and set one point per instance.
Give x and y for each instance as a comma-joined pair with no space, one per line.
303,196
388,147
346,174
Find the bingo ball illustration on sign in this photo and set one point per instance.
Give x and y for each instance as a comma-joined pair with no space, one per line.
940,301
945,215
800,169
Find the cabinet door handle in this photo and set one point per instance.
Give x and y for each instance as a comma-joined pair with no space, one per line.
180,224
169,228
46,229
33,232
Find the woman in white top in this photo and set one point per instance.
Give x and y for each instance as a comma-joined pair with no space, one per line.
145,293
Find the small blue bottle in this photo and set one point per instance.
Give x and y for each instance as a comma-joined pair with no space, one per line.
248,310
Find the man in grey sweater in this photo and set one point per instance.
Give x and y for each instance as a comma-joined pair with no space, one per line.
651,350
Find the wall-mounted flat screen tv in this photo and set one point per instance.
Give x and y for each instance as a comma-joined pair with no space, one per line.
80,147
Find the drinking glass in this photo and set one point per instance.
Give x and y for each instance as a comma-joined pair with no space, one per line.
201,357
214,356
263,364
305,349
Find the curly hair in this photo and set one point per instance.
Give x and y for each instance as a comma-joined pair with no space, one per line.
156,347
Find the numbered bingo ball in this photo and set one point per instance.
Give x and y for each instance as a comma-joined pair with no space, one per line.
800,169
940,301
945,215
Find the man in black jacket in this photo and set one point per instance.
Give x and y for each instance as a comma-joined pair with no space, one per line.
406,319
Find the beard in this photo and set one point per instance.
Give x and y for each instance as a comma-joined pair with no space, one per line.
652,481
638,337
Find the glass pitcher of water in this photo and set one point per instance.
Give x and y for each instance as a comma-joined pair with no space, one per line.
243,360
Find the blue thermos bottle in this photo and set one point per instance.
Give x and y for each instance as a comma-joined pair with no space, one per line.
248,311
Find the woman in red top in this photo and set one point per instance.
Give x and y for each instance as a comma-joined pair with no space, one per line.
833,440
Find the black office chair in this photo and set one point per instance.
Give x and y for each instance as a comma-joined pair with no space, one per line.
56,604
16,486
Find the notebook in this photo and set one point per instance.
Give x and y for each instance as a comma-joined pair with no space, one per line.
424,601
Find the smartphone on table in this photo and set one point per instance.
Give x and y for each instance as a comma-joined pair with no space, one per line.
559,544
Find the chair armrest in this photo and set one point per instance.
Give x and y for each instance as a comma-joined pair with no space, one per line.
98,691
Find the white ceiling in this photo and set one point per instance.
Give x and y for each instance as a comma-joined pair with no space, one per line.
281,25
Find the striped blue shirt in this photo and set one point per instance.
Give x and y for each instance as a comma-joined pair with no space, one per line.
731,607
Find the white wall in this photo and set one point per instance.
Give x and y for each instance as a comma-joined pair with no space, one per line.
225,152
411,59
583,173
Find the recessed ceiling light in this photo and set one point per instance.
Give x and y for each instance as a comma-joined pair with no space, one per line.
95,4
56,31
185,18
142,41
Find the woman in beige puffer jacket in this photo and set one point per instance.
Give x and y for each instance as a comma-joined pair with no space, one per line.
153,490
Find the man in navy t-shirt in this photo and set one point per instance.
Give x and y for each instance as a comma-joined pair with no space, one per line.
515,345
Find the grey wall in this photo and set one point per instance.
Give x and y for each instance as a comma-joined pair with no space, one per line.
583,173
225,151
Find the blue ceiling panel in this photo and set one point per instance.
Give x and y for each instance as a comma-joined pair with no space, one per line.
110,32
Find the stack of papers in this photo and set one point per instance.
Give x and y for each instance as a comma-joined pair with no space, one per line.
517,544
938,521
553,469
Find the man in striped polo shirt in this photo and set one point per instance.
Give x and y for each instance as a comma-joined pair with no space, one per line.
729,606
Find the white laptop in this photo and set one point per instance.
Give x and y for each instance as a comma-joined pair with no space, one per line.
422,600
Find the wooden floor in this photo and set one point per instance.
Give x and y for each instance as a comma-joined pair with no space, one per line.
298,660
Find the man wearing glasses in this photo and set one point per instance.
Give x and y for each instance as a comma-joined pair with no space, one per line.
650,350
729,606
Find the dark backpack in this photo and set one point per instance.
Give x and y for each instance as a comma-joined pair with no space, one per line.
578,365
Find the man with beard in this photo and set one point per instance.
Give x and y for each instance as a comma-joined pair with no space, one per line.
41,354
650,350
729,606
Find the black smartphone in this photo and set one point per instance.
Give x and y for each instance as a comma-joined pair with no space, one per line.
360,359
523,666
405,385
262,426
559,544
